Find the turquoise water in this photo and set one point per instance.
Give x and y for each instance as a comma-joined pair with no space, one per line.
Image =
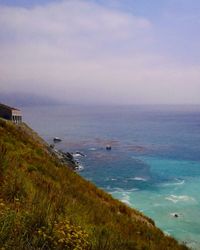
154,164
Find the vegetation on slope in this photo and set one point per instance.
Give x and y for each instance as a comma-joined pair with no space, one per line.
45,205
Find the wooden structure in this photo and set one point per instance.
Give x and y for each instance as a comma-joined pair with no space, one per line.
10,113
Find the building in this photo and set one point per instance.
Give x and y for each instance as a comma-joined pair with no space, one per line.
10,113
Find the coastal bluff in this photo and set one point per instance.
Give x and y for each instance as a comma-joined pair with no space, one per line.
44,204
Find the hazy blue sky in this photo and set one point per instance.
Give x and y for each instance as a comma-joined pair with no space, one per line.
103,51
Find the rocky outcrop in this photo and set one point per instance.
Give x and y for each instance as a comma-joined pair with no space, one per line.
65,158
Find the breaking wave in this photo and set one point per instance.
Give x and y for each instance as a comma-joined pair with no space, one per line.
179,198
176,183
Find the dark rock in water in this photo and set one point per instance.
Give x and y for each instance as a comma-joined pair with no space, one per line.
175,215
57,139
79,153
52,146
108,147
70,156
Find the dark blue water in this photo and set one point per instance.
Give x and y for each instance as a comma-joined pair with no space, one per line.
154,164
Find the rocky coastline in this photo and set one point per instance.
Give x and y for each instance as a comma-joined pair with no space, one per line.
66,158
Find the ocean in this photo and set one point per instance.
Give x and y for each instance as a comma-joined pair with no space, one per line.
153,164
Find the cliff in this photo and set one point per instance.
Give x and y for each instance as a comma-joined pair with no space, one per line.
46,205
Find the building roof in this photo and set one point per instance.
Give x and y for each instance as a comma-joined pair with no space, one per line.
8,107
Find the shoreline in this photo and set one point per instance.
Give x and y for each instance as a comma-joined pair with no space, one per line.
65,158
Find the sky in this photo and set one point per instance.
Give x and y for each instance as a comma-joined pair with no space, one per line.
102,51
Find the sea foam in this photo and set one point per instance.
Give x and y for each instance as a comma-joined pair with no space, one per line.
179,198
138,179
176,183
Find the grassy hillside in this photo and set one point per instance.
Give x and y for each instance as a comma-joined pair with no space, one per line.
45,205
